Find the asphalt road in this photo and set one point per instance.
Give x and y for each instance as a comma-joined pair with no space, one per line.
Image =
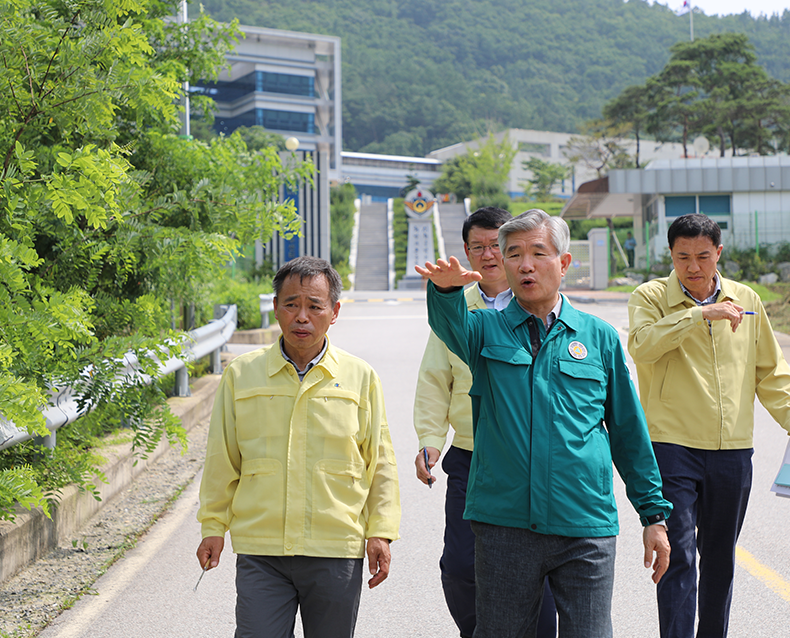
150,591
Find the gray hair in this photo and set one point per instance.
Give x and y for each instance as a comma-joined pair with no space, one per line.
306,268
533,220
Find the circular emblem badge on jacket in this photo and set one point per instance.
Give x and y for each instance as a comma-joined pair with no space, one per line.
577,350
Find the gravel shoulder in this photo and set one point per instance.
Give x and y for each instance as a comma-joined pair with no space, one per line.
35,596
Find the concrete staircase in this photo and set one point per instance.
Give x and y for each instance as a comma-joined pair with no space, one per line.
372,256
451,217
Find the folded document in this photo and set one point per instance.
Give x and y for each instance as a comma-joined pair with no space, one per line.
782,482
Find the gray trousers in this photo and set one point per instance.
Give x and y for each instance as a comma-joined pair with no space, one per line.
269,589
510,567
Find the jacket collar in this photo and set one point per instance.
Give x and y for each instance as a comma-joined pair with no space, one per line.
515,315
676,296
474,300
328,362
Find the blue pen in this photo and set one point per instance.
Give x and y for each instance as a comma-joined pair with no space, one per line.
427,467
748,312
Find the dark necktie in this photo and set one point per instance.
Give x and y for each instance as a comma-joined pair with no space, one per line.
534,335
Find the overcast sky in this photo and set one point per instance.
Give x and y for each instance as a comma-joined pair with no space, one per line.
726,7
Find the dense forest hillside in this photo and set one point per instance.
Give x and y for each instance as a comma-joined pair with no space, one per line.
422,74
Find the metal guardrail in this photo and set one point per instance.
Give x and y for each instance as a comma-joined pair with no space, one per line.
63,407
267,305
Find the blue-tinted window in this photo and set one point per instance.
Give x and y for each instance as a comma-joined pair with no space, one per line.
285,120
229,124
714,204
677,206
284,83
227,91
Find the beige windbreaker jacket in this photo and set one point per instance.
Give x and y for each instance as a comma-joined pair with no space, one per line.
442,396
299,468
697,382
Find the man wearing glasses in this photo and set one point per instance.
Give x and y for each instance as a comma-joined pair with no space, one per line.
442,401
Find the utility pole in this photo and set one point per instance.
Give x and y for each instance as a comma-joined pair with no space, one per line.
185,129
691,20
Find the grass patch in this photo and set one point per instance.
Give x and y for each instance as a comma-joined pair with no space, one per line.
779,309
767,295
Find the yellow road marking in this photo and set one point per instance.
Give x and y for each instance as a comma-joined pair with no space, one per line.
762,572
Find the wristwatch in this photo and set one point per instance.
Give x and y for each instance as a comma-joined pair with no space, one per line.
656,519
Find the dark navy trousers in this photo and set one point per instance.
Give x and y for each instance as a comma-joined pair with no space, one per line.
709,490
458,559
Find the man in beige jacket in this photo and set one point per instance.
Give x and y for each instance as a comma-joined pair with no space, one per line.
300,469
703,348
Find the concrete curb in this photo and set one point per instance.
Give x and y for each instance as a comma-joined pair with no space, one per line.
32,535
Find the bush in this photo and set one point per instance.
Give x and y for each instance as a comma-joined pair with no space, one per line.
751,263
341,219
240,291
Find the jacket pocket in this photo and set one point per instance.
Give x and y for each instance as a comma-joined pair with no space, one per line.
340,491
514,355
580,370
580,394
259,502
263,412
605,456
666,382
335,412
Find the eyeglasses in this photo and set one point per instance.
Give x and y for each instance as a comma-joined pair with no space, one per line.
477,250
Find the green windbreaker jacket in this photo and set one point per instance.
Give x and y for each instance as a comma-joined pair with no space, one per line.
547,430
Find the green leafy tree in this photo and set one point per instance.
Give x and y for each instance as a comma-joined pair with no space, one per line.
412,182
341,203
600,147
257,138
712,86
481,173
106,215
630,111
545,176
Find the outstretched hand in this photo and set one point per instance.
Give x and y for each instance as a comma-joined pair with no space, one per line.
449,274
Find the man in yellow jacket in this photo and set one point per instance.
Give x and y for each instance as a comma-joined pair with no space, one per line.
442,401
300,469
703,348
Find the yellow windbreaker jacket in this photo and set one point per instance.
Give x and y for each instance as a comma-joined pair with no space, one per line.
299,468
697,382
442,397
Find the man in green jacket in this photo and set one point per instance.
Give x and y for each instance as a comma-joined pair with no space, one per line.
442,401
300,469
703,348
553,406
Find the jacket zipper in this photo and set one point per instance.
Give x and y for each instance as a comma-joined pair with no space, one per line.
718,382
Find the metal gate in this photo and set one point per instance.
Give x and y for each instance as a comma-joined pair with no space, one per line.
578,275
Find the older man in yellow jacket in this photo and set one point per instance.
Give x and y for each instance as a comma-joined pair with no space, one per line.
300,469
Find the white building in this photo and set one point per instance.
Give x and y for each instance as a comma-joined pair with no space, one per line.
749,197
552,147
379,177
289,83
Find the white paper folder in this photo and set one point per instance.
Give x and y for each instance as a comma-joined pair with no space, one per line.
781,484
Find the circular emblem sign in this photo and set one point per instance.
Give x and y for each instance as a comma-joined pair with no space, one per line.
419,203
577,350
